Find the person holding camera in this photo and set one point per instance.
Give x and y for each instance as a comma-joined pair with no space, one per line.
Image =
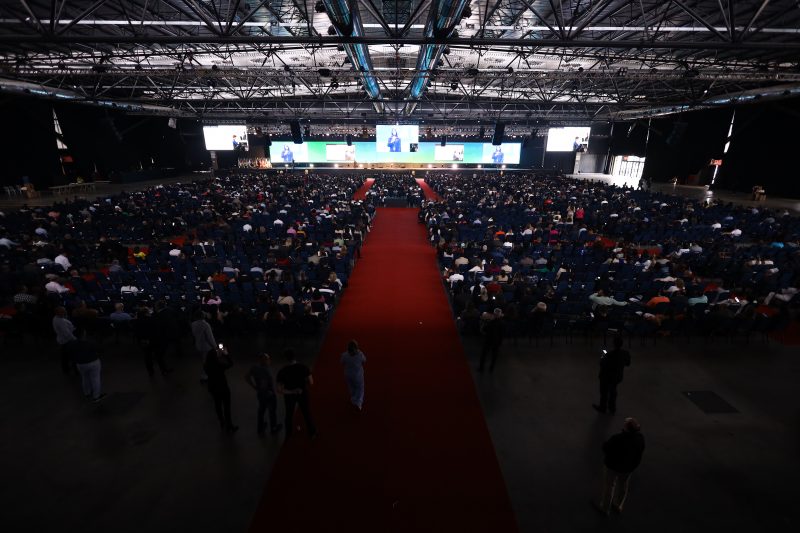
218,362
612,366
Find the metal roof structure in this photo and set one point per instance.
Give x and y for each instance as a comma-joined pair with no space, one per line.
431,61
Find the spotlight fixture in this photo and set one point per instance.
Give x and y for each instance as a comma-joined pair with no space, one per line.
472,72
511,70
214,68
319,7
324,72
331,30
446,51
466,13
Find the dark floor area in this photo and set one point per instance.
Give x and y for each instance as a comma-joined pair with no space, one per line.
700,472
151,457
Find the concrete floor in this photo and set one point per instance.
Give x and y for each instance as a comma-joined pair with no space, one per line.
700,472
151,457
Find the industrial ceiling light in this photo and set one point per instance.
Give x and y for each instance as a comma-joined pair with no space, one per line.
454,85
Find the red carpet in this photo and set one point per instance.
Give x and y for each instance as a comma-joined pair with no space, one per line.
361,193
430,194
419,457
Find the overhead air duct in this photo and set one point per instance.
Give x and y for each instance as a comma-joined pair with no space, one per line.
443,17
346,20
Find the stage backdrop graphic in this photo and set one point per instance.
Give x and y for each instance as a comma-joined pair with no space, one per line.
450,152
225,137
340,152
366,152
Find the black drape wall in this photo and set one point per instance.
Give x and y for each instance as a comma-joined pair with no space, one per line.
683,145
107,140
763,149
112,141
28,142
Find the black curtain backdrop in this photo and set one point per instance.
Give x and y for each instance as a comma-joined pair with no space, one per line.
28,142
683,145
111,141
762,149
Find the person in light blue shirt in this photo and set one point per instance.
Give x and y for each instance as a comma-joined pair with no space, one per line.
353,362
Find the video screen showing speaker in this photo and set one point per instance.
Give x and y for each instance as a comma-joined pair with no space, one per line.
395,137
340,152
450,152
574,139
504,154
287,152
221,138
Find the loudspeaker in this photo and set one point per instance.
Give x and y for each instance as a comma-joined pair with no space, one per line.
443,142
297,134
267,141
525,142
499,133
349,139
481,132
675,136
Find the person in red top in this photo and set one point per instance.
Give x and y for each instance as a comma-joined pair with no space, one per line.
658,299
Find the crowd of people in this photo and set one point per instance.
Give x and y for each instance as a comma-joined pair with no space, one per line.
241,253
553,252
394,187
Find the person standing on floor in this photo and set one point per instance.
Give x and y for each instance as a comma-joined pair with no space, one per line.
353,362
163,331
493,333
65,334
260,378
622,455
612,366
204,340
293,382
85,357
217,362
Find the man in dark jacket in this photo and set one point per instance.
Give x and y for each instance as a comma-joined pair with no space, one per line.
612,365
623,453
493,332
84,355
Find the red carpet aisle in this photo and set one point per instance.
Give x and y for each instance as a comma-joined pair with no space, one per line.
419,458
361,193
430,194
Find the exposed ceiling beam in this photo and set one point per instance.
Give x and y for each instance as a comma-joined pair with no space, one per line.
770,44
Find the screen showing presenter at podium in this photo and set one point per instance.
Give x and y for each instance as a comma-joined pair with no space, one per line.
395,137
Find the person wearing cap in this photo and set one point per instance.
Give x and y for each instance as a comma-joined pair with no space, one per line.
622,454
493,332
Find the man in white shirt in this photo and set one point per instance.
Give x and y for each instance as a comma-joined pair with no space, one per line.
8,243
56,287
62,260
455,278
599,298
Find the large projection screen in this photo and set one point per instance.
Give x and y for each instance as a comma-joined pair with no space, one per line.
395,138
283,151
568,139
220,138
